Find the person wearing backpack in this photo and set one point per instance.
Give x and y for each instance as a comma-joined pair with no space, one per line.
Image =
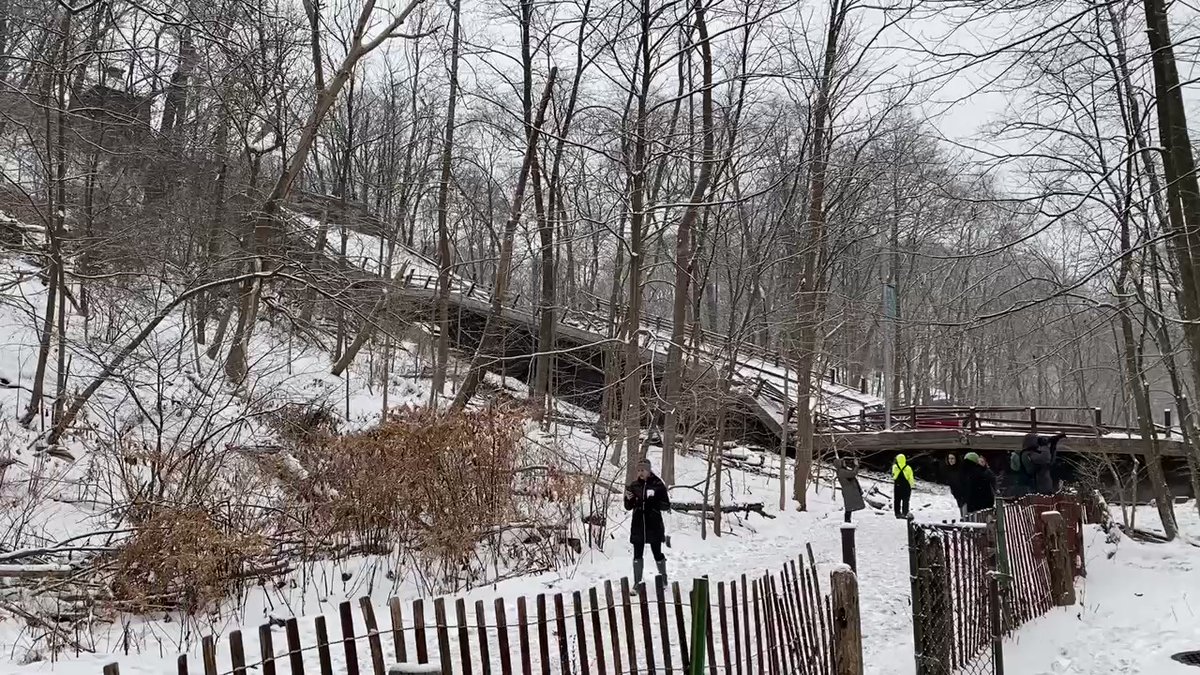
1038,454
902,485
1021,483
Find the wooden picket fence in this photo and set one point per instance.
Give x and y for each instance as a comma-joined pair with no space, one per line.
1023,555
782,622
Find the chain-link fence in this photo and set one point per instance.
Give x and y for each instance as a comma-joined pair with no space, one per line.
955,599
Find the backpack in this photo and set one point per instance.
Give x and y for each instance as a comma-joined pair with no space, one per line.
1027,463
1014,461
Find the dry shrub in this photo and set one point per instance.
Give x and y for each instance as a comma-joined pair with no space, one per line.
303,422
181,559
434,482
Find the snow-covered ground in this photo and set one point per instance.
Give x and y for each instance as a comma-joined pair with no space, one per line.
1136,608
1138,605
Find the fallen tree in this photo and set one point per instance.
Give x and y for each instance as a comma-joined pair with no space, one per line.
746,509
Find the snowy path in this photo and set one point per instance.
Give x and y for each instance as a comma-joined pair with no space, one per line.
1135,610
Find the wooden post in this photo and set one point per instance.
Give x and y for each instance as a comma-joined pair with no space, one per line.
972,419
913,416
209,654
833,376
1167,422
849,553
1058,559
1098,418
862,385
112,669
237,653
1033,421
916,580
847,627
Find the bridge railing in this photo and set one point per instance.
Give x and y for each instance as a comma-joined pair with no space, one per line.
1042,420
599,317
595,318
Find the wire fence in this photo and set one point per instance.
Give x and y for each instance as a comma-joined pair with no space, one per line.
975,582
955,599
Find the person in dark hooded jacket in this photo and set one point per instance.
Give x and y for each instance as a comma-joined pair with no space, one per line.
978,484
647,498
1038,454
852,494
953,478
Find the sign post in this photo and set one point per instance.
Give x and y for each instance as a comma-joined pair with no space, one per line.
891,311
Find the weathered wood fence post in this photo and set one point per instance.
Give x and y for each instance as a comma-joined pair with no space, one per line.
849,550
847,625
1058,559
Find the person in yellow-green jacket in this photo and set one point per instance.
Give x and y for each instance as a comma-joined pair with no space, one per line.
902,482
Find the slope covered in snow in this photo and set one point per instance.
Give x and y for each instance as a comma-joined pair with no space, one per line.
1139,604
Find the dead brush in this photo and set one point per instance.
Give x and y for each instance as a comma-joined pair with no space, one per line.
181,559
432,482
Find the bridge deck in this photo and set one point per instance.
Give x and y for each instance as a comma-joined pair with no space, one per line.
944,428
935,440
760,370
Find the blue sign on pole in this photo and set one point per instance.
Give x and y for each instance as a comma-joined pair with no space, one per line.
891,307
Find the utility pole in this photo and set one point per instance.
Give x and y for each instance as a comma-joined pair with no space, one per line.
890,310
783,445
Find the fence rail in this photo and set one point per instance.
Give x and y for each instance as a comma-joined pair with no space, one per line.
778,623
1044,420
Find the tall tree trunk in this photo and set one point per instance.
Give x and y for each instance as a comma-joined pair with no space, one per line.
683,255
445,263
492,331
812,260
264,218
637,166
1179,168
54,109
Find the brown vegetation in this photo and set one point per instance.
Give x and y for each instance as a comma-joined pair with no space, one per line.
181,559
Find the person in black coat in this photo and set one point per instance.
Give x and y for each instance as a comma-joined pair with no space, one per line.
978,484
647,498
953,476
1038,454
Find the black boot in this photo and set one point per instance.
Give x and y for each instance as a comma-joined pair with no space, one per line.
637,572
662,572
